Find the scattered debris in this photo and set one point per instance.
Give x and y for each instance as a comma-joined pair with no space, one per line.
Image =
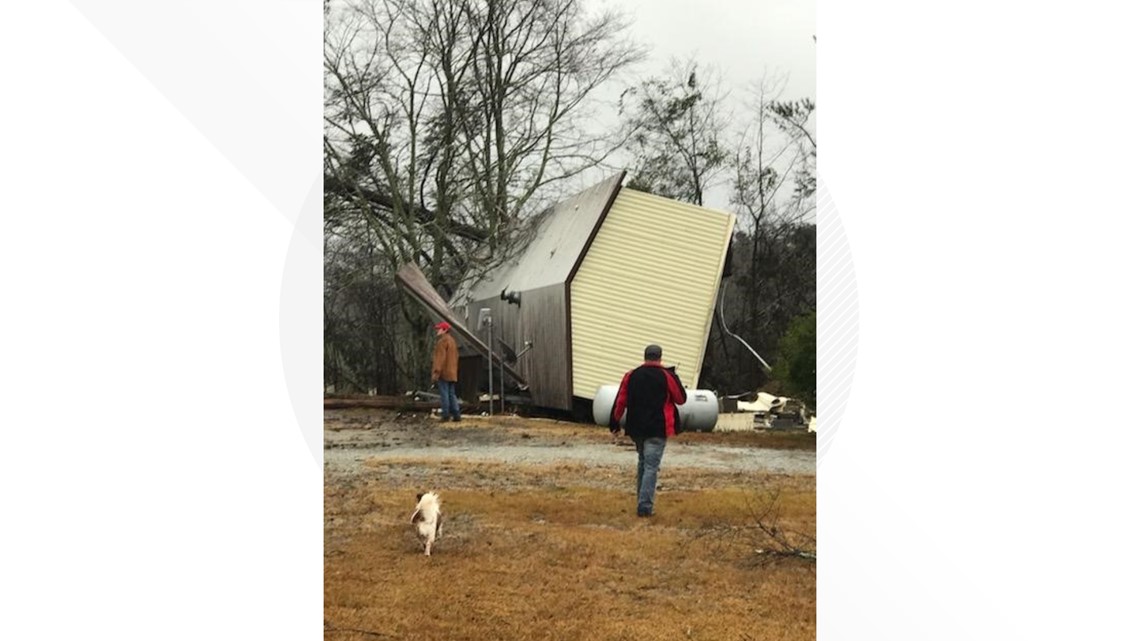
768,411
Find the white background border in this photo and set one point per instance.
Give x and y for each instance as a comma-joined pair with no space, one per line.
158,252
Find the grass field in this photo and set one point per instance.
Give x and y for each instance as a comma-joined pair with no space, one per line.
556,552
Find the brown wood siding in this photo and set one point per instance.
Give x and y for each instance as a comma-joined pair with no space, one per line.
541,319
547,365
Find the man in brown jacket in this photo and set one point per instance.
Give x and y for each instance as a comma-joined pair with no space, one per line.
445,371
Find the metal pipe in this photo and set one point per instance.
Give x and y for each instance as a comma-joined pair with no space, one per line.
490,368
767,367
502,382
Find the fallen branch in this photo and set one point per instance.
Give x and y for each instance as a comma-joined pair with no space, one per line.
383,402
794,553
765,533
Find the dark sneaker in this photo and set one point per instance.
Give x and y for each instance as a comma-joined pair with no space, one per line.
454,419
644,515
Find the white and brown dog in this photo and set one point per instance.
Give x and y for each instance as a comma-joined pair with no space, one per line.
427,519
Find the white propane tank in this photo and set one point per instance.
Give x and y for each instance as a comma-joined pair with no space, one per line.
698,414
604,403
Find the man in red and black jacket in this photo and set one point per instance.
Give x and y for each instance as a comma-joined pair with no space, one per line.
649,396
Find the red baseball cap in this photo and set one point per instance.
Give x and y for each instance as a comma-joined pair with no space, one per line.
444,325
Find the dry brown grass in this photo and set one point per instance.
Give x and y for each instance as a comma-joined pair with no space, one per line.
558,554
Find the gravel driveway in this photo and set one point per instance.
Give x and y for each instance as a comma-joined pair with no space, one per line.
352,437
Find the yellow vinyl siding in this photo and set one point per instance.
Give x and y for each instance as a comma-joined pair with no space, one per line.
655,260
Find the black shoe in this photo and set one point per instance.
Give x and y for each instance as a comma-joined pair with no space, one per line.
644,515
454,419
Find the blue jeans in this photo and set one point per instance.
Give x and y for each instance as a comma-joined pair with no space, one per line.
448,401
649,453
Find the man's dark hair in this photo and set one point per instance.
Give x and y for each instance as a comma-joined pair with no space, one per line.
653,353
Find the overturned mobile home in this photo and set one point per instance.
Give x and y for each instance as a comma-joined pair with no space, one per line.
605,273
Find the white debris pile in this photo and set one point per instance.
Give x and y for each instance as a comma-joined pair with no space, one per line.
772,412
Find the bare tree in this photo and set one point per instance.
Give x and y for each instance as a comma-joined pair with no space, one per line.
452,117
677,126
776,146
536,65
449,122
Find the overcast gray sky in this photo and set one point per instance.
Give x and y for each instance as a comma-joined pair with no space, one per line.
744,39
